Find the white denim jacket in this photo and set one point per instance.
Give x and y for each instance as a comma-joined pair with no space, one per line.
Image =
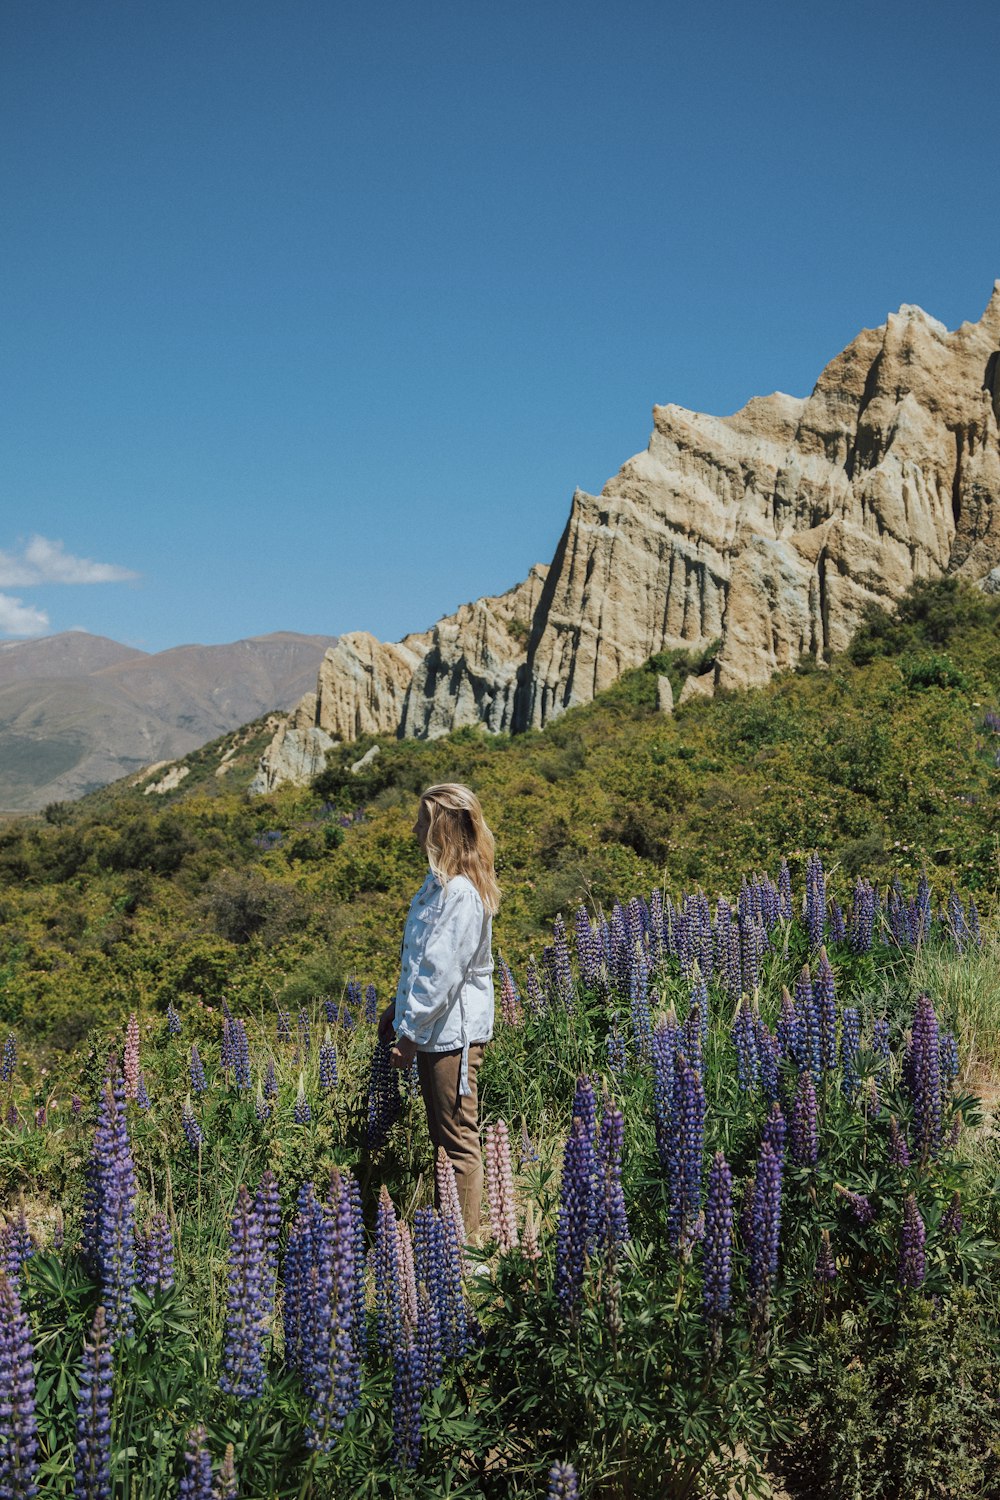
445,996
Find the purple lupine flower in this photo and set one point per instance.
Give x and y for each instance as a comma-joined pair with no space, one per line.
18,1428
587,954
407,1383
749,956
924,1077
638,994
956,920
744,1035
699,1001
267,1208
718,1243
913,1237
666,1038
226,1047
385,1266
173,1020
804,1141
924,904
384,1102
193,1132
428,1340
949,1058
815,901
850,1045
240,1053
808,1040
16,1245
612,1218
327,1065
270,1080
284,1026
953,1219
684,1166
880,1038
92,1465
733,963
197,1071
196,1482
899,1151
261,1108
9,1060
862,921
770,1058
302,1113
371,1005
763,1224
298,1314
838,927
691,1040
787,1028
859,1204
617,1059
561,964
826,1266
155,1256
242,1360
305,1036
533,989
141,1095
563,1483
574,1218
12,1117
335,1384
113,1192
824,992
785,890
775,1130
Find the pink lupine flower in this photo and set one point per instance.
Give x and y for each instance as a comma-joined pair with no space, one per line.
500,1185
130,1062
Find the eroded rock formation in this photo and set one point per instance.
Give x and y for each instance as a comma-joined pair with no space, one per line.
769,531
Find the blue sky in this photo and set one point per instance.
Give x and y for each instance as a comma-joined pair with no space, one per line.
316,313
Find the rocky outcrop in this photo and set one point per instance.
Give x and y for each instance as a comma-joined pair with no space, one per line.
768,531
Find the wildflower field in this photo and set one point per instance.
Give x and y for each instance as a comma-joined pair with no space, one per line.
742,1225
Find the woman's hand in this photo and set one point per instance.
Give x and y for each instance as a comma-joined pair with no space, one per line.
403,1053
386,1023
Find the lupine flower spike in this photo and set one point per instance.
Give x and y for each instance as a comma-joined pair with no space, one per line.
500,1186
18,1430
196,1483
563,1483
130,1063
92,1466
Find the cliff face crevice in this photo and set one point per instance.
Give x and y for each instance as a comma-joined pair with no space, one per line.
770,530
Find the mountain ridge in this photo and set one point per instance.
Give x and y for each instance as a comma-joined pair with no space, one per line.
79,711
768,532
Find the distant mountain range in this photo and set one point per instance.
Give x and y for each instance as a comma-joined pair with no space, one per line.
78,711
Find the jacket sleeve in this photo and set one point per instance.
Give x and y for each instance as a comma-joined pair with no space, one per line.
449,948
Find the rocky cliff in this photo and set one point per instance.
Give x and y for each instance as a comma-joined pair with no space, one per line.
769,531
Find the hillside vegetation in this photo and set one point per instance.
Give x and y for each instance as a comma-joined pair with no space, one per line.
884,759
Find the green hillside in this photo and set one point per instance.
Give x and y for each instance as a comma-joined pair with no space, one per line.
883,760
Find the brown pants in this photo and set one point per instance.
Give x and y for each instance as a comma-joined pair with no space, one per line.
453,1122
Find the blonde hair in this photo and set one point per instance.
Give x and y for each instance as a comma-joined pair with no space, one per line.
458,840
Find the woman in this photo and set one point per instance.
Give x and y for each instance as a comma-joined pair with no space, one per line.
443,1011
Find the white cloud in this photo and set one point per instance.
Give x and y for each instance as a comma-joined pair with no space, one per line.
21,619
42,561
